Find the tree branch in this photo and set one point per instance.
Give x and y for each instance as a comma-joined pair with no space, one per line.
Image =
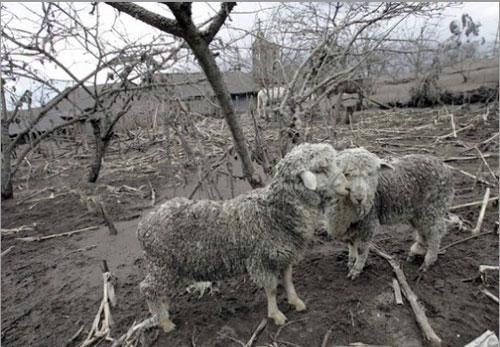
218,21
164,24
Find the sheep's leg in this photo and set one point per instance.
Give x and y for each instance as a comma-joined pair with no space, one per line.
353,254
293,298
433,243
362,249
273,311
418,248
153,288
159,307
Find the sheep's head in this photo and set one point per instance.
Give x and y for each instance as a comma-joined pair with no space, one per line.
360,170
310,171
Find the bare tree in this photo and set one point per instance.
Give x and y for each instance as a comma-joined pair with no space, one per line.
199,40
127,68
330,45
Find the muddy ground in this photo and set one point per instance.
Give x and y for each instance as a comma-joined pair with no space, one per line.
51,288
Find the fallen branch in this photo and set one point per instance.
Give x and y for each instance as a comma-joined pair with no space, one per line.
257,332
474,203
482,212
418,310
43,238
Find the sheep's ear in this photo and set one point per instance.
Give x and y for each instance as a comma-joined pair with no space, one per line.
385,166
309,180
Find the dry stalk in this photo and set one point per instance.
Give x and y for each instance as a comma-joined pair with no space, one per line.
328,333
7,232
397,292
489,294
412,298
470,175
257,332
7,251
43,238
464,240
487,165
453,125
476,230
474,203
101,326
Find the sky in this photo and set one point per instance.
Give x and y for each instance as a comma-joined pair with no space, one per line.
244,17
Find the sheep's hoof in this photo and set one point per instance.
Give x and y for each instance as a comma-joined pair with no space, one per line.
353,274
423,268
298,304
167,325
411,258
278,317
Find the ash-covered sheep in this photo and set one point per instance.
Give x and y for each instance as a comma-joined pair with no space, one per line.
262,233
414,189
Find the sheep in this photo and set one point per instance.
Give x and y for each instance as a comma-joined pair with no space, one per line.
267,96
262,233
415,189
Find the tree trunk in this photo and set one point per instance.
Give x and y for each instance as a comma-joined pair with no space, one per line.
214,76
7,190
101,144
6,176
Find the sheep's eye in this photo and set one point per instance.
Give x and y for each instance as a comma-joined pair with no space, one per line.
321,170
347,174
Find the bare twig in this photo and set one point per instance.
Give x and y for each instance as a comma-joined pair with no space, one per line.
482,212
418,310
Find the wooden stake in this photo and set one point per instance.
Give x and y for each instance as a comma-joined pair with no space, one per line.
482,212
418,310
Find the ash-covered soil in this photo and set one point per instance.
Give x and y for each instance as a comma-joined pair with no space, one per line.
51,288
